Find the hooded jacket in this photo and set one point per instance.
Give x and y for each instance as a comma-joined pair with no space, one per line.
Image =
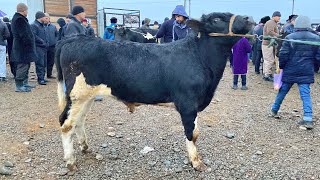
109,31
4,33
180,31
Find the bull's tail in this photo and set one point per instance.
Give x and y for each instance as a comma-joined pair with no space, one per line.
61,85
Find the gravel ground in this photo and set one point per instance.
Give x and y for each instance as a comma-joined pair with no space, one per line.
257,146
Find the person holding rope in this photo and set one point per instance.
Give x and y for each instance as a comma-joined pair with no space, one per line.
270,29
296,60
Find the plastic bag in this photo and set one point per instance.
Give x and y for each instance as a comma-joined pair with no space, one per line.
277,80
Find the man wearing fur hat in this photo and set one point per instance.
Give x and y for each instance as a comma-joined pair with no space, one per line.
297,61
39,30
75,27
270,29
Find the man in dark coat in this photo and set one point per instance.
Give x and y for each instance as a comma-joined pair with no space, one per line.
9,46
165,30
52,36
23,49
258,30
74,27
62,24
297,61
42,44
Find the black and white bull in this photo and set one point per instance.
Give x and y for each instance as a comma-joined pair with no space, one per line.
135,35
185,73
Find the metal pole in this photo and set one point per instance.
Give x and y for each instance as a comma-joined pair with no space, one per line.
292,6
189,8
185,3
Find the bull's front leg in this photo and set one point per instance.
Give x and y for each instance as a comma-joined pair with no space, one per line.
192,133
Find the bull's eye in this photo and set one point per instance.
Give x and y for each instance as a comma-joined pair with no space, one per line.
216,19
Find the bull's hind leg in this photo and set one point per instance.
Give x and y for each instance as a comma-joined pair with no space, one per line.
80,128
192,132
81,97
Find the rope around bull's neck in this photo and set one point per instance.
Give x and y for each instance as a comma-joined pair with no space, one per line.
272,42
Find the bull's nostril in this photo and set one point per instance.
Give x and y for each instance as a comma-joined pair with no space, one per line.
246,17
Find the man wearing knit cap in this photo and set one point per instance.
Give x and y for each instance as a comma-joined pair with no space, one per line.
75,27
39,31
270,29
52,36
23,48
258,30
296,60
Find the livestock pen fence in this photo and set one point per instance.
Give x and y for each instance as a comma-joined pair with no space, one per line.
126,17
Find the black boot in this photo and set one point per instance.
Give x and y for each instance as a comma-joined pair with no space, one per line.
27,85
21,88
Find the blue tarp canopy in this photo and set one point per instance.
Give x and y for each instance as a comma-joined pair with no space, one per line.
2,14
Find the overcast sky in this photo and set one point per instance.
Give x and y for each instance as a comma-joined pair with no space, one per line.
159,9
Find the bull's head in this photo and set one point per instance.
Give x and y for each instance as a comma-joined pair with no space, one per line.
224,23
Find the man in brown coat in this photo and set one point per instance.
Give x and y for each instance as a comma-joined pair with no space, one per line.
270,29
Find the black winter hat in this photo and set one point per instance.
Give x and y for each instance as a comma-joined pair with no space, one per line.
77,10
61,22
113,20
39,15
5,19
69,16
276,13
265,19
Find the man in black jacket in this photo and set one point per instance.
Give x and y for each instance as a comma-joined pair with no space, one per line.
165,30
42,44
23,51
74,27
297,61
9,46
52,36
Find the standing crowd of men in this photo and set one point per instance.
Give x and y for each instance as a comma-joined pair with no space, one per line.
36,43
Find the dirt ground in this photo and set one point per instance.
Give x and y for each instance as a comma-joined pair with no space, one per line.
262,147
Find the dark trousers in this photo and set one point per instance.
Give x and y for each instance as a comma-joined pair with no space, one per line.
254,53
243,78
50,60
258,61
13,66
316,67
22,71
41,63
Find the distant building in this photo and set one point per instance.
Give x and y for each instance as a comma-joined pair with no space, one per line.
60,8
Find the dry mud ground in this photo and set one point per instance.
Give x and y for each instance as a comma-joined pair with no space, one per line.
263,147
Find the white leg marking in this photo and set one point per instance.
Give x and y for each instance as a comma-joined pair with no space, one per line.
192,149
68,148
61,96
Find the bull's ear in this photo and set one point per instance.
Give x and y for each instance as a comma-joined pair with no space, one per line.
195,25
